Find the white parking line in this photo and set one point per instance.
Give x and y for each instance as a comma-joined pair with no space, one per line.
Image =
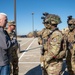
26,49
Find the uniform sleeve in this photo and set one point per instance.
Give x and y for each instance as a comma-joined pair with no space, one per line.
55,45
40,37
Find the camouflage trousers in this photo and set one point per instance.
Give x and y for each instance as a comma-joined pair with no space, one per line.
53,68
71,67
14,67
43,63
42,56
14,63
70,62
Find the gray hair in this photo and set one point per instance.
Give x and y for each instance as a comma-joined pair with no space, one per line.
3,14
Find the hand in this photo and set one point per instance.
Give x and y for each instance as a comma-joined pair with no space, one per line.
42,64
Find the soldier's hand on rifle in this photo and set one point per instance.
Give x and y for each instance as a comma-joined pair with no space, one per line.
42,64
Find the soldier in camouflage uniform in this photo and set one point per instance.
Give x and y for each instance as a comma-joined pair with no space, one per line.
65,30
14,56
54,56
42,40
70,60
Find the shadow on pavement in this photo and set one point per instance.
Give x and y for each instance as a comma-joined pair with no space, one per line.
35,71
29,49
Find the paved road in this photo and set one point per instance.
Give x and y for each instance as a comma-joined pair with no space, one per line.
29,58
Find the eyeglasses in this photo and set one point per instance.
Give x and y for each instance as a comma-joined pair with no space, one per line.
46,22
71,24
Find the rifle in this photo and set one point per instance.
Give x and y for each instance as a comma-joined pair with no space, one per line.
42,54
41,59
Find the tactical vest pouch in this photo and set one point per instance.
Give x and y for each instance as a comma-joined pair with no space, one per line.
44,41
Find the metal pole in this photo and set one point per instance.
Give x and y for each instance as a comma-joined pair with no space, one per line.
33,23
15,17
16,23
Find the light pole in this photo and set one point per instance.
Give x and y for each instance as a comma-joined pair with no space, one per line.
33,23
15,17
15,23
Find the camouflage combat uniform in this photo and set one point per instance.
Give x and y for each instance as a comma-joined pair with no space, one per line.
14,56
42,40
65,30
70,60
54,57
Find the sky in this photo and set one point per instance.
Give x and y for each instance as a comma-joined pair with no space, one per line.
25,8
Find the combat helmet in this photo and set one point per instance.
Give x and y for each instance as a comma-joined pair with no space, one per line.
71,20
52,19
71,23
11,23
45,14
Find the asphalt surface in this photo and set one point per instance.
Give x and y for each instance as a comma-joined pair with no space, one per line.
29,57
